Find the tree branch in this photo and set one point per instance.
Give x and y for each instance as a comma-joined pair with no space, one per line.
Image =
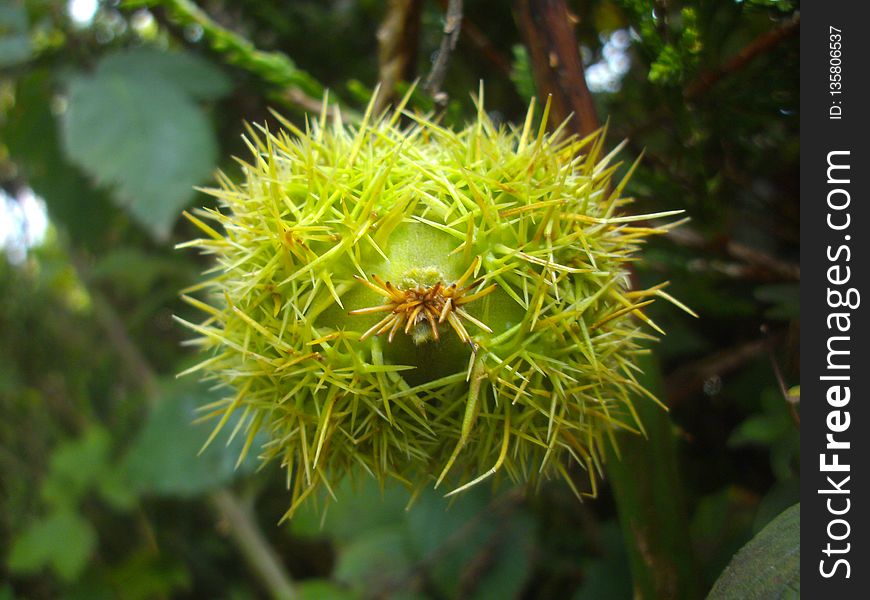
253,545
790,400
548,32
757,47
452,26
297,86
689,379
397,47
481,42
255,548
762,264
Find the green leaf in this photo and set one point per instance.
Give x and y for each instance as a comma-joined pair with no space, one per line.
521,72
667,68
781,496
606,577
344,521
376,561
75,466
760,429
14,34
164,459
143,135
114,488
781,5
145,575
483,546
773,428
187,72
768,566
323,589
64,541
84,464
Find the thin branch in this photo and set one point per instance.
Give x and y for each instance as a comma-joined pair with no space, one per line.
251,542
763,264
548,31
300,99
688,380
255,548
474,34
756,48
757,258
297,86
452,26
780,380
397,47
661,116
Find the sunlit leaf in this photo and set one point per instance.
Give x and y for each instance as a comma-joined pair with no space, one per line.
188,72
142,135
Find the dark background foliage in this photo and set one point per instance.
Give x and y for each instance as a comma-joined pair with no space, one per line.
110,120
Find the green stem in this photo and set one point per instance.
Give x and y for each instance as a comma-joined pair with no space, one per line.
255,548
648,493
478,373
296,86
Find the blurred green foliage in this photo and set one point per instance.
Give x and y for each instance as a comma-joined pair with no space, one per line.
131,104
113,120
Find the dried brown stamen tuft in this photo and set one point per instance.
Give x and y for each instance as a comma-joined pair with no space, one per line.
424,305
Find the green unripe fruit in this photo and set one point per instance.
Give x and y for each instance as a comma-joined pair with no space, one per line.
422,303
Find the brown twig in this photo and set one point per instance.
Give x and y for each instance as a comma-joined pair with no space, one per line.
780,380
452,26
755,257
548,31
662,115
475,35
397,47
757,47
299,99
764,265
689,379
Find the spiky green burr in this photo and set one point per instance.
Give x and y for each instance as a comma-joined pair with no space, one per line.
424,304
